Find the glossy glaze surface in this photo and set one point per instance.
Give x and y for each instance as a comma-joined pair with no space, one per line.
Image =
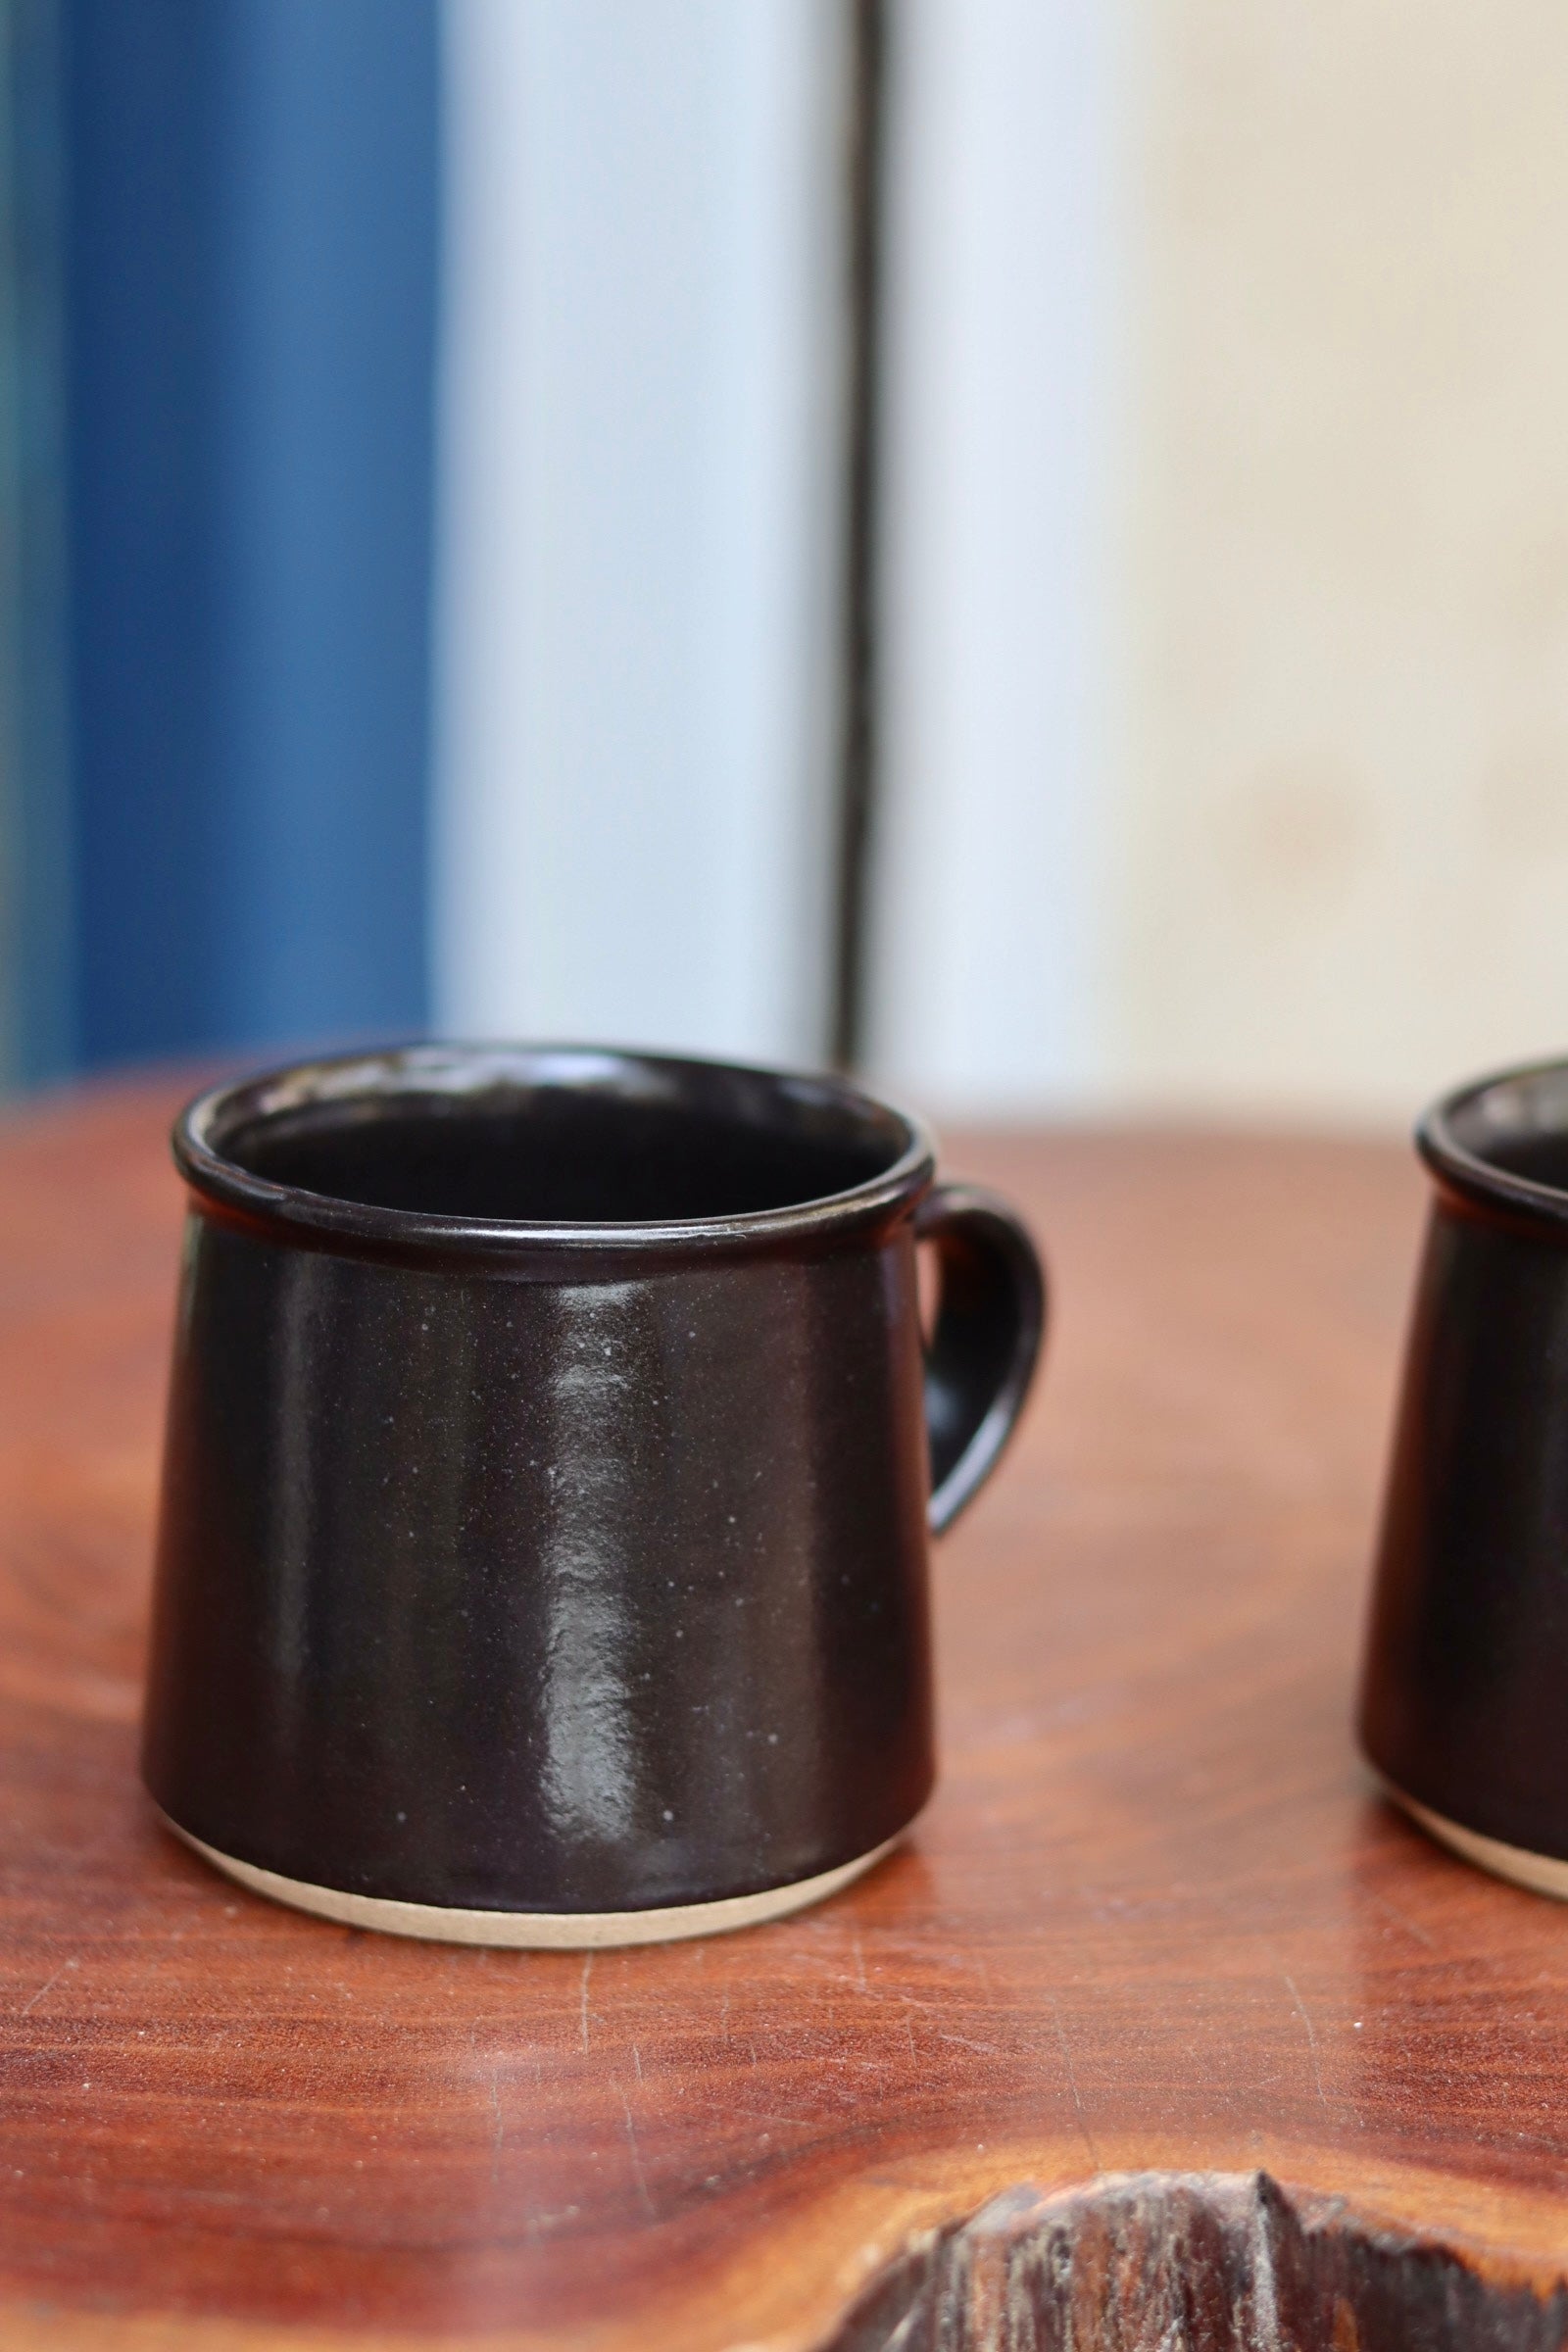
1153,1919
1467,1655
584,1571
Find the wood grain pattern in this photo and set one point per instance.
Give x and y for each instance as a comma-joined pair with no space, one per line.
1153,1923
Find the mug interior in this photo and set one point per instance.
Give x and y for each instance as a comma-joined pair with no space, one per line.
1516,1124
562,1138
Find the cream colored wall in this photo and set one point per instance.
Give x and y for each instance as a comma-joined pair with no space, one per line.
1342,875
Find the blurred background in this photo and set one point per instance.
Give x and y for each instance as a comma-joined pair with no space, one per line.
1019,544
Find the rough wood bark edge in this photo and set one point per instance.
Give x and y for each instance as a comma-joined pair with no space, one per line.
1169,2262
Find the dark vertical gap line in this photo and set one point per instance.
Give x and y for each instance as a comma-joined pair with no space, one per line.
857,740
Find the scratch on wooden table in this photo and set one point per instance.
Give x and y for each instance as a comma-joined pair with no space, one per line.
1389,1911
587,1972
1311,2036
1072,2084
636,2156
988,2049
31,2003
499,2134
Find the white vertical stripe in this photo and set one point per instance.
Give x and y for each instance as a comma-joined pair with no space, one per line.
986,988
637,490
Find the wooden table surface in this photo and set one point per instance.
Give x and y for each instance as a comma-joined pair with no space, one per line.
1154,1937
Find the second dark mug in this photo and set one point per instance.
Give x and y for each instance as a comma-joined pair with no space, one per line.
550,1459
1463,1706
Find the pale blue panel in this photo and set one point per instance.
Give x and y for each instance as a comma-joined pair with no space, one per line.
641,441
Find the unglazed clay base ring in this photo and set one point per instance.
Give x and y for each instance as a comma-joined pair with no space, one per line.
538,1930
1543,1874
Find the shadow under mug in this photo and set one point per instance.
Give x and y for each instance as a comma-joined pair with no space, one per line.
550,1460
1463,1708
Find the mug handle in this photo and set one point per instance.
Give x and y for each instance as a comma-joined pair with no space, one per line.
991,1319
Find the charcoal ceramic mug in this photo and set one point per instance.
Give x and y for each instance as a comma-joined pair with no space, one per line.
1463,1708
551,1456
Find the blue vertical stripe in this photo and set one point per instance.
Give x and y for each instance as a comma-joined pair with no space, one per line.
37,958
251,284
143,264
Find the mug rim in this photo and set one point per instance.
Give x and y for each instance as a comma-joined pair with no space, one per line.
1504,1098
295,1213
